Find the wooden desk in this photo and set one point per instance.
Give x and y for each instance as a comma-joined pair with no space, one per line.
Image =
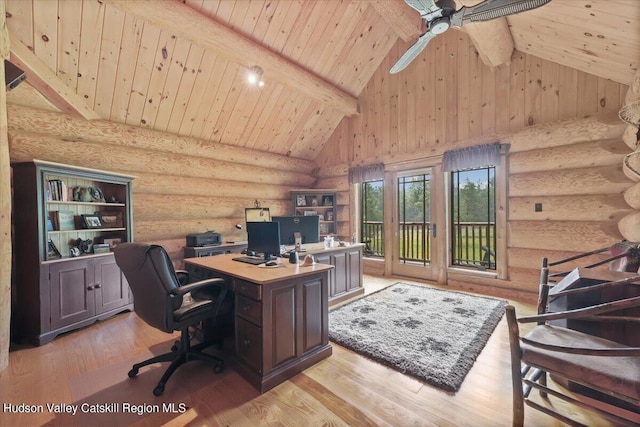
345,280
281,315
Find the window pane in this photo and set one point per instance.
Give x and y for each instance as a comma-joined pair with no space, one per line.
373,218
473,239
414,215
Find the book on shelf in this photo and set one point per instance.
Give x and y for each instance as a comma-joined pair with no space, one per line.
62,220
57,189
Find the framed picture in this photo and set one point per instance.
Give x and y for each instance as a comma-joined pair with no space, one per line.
310,213
257,215
314,200
52,251
301,200
112,242
92,221
111,219
327,201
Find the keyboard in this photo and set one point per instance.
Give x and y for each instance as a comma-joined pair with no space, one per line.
250,260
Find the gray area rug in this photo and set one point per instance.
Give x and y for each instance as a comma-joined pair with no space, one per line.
431,334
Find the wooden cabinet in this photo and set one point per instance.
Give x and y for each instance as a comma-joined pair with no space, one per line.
345,280
59,209
317,202
278,325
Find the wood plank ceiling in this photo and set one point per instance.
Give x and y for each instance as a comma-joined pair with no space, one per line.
180,66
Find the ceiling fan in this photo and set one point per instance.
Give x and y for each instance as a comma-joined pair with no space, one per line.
439,16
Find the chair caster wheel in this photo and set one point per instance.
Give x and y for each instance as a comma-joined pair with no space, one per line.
218,368
158,390
175,346
133,372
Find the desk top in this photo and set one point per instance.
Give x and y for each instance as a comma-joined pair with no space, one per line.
253,273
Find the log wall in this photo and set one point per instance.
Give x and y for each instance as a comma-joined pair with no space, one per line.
182,185
5,204
565,139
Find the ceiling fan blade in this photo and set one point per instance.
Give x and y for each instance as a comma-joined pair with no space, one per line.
412,52
423,6
492,9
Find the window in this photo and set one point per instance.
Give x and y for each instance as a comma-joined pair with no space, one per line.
473,218
414,218
372,218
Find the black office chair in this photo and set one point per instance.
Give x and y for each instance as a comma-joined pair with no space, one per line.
159,301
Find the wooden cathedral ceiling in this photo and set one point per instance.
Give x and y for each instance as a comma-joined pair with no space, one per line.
179,66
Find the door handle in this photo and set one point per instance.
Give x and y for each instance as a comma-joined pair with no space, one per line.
434,230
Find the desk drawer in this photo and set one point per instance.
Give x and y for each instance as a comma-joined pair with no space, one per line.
197,273
249,309
249,344
247,289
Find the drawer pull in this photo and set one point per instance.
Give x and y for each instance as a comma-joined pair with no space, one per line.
246,307
90,288
246,342
98,286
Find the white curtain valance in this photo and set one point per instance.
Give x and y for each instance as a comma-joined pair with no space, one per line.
360,174
472,157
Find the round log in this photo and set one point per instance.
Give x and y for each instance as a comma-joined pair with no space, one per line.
630,137
151,230
153,183
102,131
180,207
632,196
596,180
591,153
629,226
631,166
26,146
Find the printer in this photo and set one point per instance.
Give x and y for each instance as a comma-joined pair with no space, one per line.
208,238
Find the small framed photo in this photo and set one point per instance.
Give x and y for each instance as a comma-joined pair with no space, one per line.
112,242
314,200
52,251
327,201
111,219
301,200
92,221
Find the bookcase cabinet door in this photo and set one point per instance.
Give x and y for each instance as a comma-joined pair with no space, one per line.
72,292
111,287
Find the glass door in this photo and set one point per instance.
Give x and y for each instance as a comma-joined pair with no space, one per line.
414,230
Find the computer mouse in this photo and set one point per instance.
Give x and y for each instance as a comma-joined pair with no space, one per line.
271,263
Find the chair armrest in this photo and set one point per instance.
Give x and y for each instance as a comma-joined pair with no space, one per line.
589,351
584,312
183,277
198,285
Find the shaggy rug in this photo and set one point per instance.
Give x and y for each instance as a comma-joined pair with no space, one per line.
431,334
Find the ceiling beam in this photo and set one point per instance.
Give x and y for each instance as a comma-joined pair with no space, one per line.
402,19
205,32
492,39
45,81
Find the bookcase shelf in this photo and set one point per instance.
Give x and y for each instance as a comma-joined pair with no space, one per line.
321,202
58,286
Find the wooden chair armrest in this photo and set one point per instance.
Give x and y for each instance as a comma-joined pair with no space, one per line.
589,351
584,312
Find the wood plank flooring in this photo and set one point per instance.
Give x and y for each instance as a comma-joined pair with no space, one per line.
89,368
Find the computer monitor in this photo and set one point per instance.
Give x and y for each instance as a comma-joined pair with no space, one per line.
307,226
264,237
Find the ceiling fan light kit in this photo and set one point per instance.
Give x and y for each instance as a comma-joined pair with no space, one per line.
441,15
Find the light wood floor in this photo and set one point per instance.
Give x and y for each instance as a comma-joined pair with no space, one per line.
89,367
